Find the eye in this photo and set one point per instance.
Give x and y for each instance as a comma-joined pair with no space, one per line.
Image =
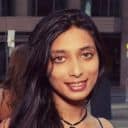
87,55
58,59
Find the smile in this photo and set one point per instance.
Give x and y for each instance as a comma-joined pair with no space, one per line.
77,86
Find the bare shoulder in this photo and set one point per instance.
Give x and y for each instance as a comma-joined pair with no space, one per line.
106,123
5,123
5,101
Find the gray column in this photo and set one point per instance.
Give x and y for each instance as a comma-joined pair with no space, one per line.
30,7
124,41
21,7
74,4
0,7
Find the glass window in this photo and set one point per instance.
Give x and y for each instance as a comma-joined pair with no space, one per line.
3,60
43,8
114,8
101,7
6,8
86,6
112,45
30,7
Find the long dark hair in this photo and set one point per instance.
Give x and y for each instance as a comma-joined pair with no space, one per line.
37,109
13,82
12,86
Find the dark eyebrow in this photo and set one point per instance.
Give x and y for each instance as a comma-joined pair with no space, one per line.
57,51
88,48
81,49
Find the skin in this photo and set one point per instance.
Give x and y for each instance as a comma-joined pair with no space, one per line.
74,68
75,65
5,109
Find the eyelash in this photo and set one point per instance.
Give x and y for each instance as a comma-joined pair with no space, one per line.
58,59
62,59
87,55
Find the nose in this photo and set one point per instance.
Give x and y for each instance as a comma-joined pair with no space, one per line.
76,69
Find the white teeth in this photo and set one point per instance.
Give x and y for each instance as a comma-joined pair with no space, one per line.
76,84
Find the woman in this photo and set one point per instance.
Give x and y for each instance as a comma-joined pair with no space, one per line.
11,90
66,59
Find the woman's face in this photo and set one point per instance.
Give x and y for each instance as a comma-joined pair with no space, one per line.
74,65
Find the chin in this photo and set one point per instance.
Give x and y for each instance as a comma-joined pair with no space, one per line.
76,99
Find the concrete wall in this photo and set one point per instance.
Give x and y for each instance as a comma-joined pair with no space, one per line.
26,23
74,4
124,58
0,7
21,7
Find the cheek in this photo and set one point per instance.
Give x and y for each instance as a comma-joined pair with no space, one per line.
93,70
57,78
94,74
57,74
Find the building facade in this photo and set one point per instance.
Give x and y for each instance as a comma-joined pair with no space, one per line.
110,16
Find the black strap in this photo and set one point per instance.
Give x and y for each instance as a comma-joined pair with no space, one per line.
100,122
74,124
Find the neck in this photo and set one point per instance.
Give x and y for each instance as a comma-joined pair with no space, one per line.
73,125
71,112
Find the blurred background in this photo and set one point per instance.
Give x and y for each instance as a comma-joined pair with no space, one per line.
18,18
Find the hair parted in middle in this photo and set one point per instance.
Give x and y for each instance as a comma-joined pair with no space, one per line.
39,109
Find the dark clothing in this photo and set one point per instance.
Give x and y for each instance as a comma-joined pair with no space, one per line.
101,99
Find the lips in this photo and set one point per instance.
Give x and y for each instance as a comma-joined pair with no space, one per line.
77,86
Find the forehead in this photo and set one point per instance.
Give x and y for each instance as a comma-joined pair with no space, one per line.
73,38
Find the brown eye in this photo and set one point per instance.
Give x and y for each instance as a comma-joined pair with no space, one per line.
87,55
59,59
